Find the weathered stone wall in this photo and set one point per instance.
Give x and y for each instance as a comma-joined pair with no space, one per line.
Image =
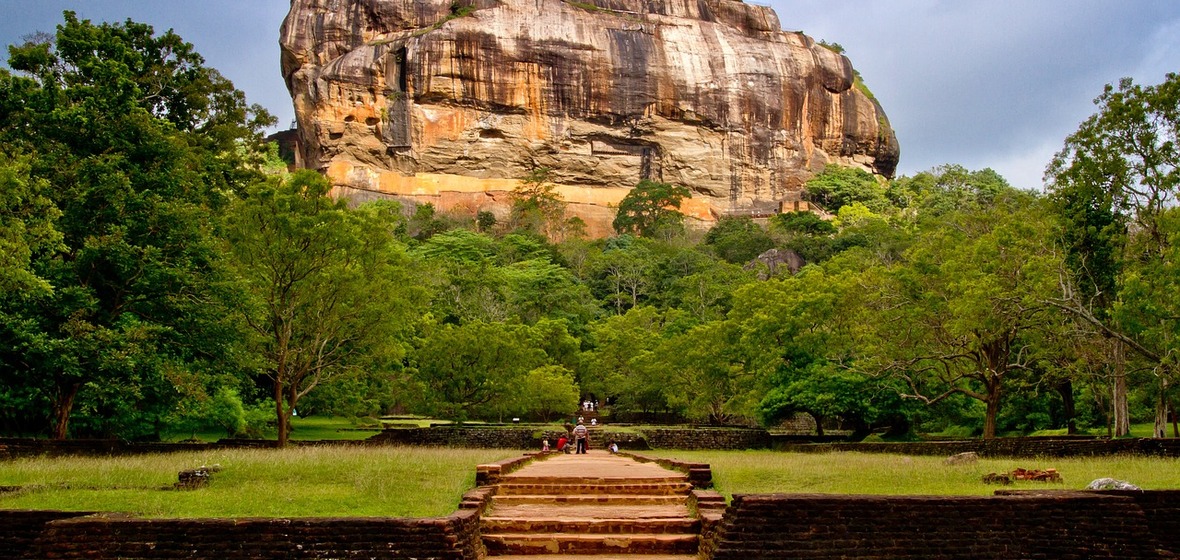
20,528
455,537
707,438
1001,447
819,526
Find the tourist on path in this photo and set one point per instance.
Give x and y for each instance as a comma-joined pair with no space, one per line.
581,436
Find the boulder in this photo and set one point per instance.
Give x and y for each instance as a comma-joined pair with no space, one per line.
1111,484
451,102
968,458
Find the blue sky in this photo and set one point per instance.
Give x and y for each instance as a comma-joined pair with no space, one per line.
982,83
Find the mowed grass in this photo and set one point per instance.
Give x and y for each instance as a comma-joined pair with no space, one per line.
324,481
762,472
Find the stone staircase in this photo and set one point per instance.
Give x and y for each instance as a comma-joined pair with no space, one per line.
581,505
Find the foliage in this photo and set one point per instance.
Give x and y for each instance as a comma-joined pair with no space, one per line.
963,315
837,186
650,210
738,240
124,145
473,370
326,286
1114,184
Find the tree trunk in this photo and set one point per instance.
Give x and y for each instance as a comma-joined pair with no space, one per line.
1161,411
1069,409
819,424
1118,401
993,406
280,415
63,405
1175,422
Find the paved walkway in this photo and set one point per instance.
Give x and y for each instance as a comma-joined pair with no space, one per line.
594,464
592,505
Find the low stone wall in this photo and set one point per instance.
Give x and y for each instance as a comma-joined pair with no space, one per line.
1161,508
1003,447
817,526
448,436
657,438
19,529
455,537
707,438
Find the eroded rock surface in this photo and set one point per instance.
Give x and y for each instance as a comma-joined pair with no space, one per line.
451,103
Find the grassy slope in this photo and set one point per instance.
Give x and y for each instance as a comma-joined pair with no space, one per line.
750,472
318,482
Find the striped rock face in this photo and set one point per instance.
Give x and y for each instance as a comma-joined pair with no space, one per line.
429,100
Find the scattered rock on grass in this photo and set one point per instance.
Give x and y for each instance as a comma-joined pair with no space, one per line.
193,479
1037,475
1111,484
968,458
997,478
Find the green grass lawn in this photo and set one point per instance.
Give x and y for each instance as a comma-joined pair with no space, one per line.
294,482
756,472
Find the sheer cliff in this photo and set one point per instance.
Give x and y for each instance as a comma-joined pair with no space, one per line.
453,102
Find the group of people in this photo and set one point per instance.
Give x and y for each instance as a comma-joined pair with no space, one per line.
581,441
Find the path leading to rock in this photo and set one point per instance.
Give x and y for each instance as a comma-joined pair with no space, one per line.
592,505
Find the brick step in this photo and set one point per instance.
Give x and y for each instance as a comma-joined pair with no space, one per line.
652,488
655,526
592,499
593,556
589,512
516,479
566,543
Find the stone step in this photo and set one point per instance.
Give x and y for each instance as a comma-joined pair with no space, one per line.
591,499
653,488
588,543
589,512
519,479
657,526
593,556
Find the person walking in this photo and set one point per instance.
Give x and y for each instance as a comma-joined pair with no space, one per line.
581,437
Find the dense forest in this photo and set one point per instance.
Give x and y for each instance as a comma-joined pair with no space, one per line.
160,271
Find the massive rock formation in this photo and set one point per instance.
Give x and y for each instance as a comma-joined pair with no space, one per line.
453,102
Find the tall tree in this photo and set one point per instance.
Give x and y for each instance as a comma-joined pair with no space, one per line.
136,143
963,314
327,286
651,209
1113,182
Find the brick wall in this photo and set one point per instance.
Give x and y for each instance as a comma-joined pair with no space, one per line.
20,528
1161,508
707,438
815,526
455,537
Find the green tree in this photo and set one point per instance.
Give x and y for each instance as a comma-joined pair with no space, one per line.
1113,183
651,209
327,287
548,392
738,240
946,188
136,144
473,370
705,376
537,207
963,314
837,186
